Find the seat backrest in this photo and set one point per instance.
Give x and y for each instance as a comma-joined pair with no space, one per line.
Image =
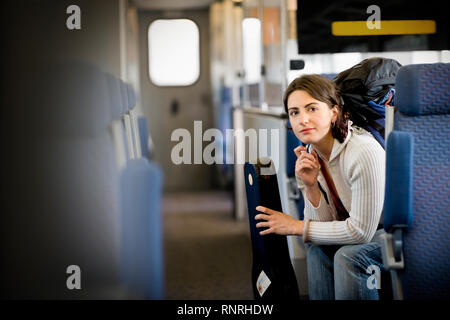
67,211
131,96
330,76
423,100
123,96
143,136
132,119
271,260
291,143
142,259
115,102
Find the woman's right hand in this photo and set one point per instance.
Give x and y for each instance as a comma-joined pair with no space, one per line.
307,166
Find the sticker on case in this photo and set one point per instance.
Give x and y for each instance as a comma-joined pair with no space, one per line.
262,283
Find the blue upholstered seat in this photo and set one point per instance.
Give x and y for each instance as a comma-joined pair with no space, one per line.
68,212
143,136
131,96
417,200
142,260
329,75
291,158
123,96
115,100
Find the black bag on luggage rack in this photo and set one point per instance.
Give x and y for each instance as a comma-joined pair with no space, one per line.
366,88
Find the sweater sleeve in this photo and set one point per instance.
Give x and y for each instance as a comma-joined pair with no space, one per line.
366,172
320,213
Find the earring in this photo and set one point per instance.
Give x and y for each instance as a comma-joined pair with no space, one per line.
333,124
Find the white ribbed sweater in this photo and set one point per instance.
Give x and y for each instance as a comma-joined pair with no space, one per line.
357,167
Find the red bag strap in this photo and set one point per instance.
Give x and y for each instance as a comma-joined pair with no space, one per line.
341,211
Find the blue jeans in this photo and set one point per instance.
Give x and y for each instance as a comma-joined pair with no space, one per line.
341,272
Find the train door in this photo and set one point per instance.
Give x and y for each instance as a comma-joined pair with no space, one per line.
169,106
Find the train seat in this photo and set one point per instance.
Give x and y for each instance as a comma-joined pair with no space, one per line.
128,134
294,193
123,96
115,99
139,193
142,261
131,97
329,75
144,137
133,121
71,187
416,246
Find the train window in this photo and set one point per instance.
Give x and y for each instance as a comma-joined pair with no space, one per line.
251,39
173,52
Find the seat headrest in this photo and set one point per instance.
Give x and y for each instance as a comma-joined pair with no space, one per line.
423,89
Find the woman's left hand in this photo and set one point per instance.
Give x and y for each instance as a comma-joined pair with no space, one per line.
278,222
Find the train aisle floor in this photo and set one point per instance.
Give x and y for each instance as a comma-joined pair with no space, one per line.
207,252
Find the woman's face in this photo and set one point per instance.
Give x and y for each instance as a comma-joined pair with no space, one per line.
310,119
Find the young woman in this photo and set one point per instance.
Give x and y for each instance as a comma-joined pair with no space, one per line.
341,257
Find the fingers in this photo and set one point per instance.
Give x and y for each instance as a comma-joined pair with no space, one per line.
301,153
263,224
307,164
309,156
265,210
279,223
308,160
267,231
299,150
262,217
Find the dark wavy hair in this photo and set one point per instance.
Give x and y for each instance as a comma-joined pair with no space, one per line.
324,90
